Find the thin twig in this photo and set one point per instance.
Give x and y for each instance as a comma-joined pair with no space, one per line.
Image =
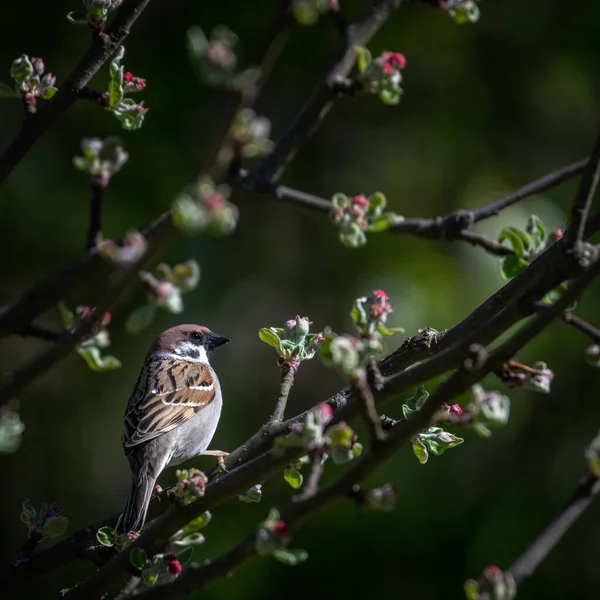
311,487
363,391
69,92
95,227
583,200
288,372
582,325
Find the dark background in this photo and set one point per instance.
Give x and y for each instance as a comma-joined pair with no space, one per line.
487,108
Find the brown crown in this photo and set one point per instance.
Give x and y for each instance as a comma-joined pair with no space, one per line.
168,339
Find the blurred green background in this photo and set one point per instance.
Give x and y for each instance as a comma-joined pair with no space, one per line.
487,108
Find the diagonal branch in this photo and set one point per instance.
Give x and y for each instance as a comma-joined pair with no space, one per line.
582,325
583,199
103,46
473,370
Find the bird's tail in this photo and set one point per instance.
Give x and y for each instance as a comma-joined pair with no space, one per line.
134,515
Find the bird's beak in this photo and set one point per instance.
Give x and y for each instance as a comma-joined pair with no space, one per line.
215,339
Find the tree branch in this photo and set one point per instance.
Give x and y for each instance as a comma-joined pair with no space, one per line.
474,368
583,201
582,325
95,227
103,46
288,372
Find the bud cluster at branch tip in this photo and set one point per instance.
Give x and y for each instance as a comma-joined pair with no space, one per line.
461,11
49,522
205,208
272,538
358,214
166,287
95,13
101,159
292,342
91,346
381,76
30,82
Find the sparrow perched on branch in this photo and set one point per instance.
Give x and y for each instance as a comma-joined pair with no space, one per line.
172,413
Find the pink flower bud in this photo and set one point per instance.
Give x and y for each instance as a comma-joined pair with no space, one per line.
360,200
324,412
456,409
280,527
174,567
128,77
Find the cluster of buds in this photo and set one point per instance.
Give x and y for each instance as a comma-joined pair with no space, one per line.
487,409
309,434
381,76
190,485
294,342
49,522
129,113
341,443
133,248
250,135
462,11
355,215
11,430
101,159
369,314
166,287
526,246
349,354
161,568
31,83
519,376
496,584
96,13
307,12
273,536
90,347
205,208
216,59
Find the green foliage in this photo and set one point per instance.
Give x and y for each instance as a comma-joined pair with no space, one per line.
253,494
293,477
11,430
106,536
130,114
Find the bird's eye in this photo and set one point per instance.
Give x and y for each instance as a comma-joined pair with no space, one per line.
196,335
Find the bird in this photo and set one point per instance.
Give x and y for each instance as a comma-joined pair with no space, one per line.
172,413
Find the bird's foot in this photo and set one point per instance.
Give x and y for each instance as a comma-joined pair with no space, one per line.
220,456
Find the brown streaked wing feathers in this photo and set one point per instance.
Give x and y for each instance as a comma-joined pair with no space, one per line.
170,401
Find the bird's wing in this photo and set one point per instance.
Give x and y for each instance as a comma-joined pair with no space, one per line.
169,392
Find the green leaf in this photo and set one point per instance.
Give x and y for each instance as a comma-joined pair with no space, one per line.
150,575
363,58
512,265
536,229
290,557
518,240
55,526
384,222
193,539
115,93
49,92
77,18
140,318
340,434
198,523
293,477
138,558
385,331
66,315
340,200
269,337
6,91
196,41
106,536
254,494
96,362
420,451
185,556
390,97
28,514
187,276
281,443
471,588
